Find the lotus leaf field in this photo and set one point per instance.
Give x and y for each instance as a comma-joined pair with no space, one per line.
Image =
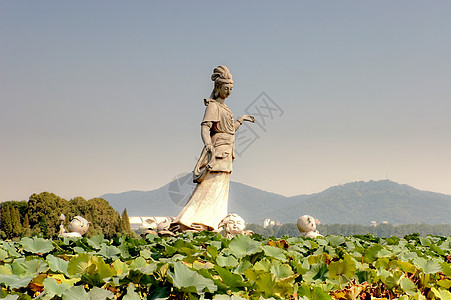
209,266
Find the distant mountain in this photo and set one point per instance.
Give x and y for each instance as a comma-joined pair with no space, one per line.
352,203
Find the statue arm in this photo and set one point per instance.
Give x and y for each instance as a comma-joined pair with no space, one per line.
205,134
243,118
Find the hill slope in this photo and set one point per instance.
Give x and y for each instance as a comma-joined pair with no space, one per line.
352,203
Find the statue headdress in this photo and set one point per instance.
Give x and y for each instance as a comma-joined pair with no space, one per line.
221,75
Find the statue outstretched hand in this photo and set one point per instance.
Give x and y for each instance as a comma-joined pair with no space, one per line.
247,118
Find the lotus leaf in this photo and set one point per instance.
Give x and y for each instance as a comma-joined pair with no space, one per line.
190,281
427,266
52,288
36,245
345,267
76,293
57,264
242,245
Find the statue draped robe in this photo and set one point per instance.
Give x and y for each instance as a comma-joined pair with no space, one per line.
207,205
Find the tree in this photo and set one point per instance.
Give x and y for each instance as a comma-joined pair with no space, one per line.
6,223
26,222
78,207
10,223
43,212
104,219
125,222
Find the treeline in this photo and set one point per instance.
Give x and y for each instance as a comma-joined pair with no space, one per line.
39,216
383,230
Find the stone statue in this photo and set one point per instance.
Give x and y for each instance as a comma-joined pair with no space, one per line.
232,225
208,203
77,227
307,226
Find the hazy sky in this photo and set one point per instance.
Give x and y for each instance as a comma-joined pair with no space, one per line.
107,96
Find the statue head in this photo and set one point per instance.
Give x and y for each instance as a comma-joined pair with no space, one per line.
223,83
233,224
306,223
79,225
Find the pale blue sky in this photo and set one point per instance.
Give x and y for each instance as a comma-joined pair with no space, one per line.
107,96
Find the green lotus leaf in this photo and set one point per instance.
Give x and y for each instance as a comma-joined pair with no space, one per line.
446,269
274,252
57,264
428,266
3,254
226,261
14,281
160,293
11,249
265,284
230,279
120,267
139,262
242,266
406,267
131,294
281,271
242,245
314,259
444,283
190,281
97,241
5,270
441,294
61,278
76,293
145,253
98,293
79,249
314,293
109,251
265,265
124,248
36,245
53,288
371,254
29,268
10,297
103,269
345,267
408,286
78,264
316,271
335,240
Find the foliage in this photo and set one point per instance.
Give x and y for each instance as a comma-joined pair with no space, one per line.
40,216
382,230
209,266
125,223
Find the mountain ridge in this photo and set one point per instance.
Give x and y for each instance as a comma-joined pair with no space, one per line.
357,202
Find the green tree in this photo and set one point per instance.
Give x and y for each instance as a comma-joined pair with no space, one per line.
104,219
125,222
16,225
10,222
43,212
78,207
6,222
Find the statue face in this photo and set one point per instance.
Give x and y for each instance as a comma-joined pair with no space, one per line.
235,225
79,224
306,223
225,90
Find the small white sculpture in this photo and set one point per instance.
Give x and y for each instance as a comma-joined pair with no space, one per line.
307,226
77,227
232,225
